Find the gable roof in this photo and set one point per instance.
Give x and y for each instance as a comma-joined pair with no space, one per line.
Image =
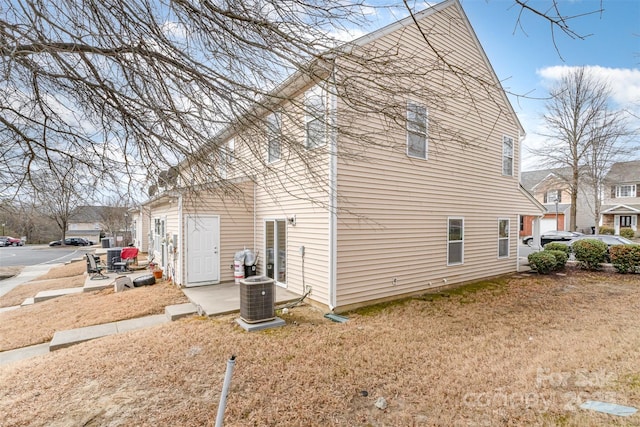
624,172
530,179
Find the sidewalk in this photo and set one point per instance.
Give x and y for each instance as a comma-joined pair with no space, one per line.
27,274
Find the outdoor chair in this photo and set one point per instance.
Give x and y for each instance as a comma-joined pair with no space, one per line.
95,268
128,256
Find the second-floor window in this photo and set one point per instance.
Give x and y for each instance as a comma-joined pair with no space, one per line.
507,156
273,137
552,195
222,162
416,130
315,117
627,190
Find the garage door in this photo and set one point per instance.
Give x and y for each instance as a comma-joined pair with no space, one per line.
547,224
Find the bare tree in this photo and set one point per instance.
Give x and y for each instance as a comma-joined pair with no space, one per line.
575,121
608,145
59,191
131,87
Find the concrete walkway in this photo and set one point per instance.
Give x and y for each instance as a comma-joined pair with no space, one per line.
27,274
206,300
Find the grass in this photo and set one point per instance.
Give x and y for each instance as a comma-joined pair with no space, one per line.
524,350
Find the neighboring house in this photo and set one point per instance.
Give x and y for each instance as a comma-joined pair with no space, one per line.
358,224
549,186
92,222
621,205
86,222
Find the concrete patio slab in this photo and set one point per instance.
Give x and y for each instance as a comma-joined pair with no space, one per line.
28,301
215,300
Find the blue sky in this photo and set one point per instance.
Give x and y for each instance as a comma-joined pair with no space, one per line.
527,62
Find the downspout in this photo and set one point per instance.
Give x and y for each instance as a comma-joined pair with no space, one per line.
333,196
181,246
254,216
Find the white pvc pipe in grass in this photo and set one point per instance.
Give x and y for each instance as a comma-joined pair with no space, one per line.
225,390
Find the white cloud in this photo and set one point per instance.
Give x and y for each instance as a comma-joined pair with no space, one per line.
624,82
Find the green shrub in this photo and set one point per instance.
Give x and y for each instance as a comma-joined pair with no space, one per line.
560,256
555,246
625,258
607,230
590,253
627,232
543,262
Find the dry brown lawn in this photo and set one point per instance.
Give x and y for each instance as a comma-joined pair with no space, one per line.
37,323
523,350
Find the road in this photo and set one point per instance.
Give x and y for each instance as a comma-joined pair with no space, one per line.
39,254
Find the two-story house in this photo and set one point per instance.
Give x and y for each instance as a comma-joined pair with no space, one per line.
621,205
357,208
551,188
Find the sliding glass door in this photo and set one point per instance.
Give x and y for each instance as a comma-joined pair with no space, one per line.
276,249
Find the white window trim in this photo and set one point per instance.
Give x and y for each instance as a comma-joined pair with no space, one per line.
274,133
317,90
633,192
455,241
504,139
508,238
411,131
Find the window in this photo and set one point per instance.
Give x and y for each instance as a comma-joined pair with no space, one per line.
416,130
507,156
627,190
625,221
315,120
455,241
231,150
503,238
273,137
222,162
552,195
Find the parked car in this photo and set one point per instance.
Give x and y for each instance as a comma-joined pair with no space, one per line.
606,238
552,236
10,241
71,241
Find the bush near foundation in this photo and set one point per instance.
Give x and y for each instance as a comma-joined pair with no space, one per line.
590,253
560,256
554,246
625,258
607,230
627,232
543,262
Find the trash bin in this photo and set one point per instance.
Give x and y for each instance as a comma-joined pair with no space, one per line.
106,242
257,299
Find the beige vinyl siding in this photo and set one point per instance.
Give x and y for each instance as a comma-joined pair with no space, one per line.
295,186
392,230
236,223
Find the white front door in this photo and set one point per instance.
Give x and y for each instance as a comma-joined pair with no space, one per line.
203,255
